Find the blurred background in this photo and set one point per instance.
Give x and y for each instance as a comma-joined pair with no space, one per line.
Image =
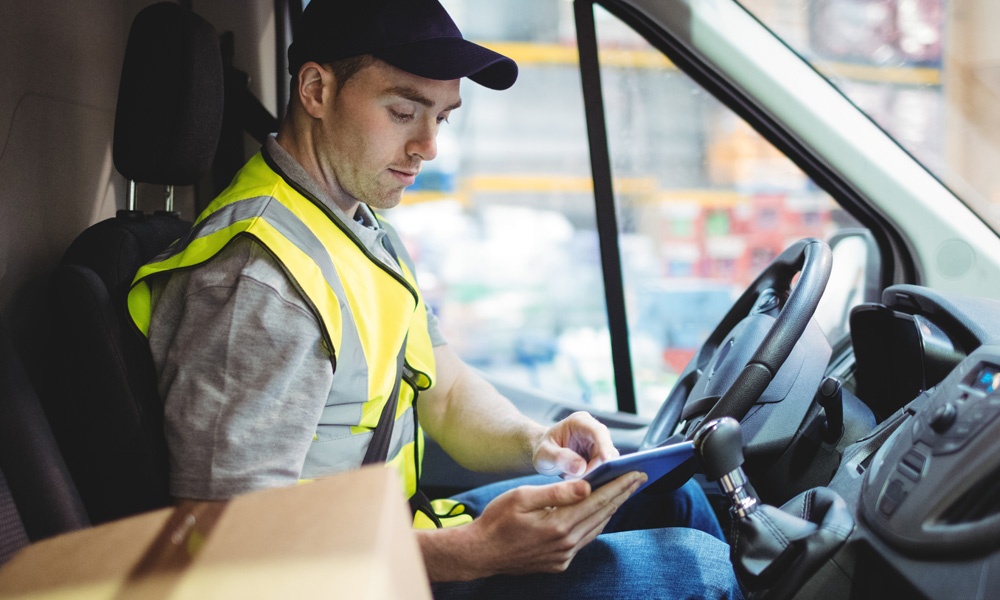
502,224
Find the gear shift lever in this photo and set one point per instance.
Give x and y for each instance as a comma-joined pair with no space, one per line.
775,550
720,446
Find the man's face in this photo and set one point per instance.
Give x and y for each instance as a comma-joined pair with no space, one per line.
379,129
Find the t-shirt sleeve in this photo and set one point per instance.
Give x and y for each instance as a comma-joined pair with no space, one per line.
243,374
434,328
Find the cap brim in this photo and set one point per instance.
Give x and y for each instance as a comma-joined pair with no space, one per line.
452,58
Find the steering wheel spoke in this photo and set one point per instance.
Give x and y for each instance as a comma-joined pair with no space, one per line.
741,357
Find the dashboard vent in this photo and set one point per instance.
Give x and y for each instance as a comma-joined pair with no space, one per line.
979,502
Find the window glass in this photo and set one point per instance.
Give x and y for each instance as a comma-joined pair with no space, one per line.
924,70
705,204
502,224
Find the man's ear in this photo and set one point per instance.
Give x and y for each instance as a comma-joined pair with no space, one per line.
313,79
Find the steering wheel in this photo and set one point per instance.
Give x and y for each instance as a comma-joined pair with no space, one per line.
737,362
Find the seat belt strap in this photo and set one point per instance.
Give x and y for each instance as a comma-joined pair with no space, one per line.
378,448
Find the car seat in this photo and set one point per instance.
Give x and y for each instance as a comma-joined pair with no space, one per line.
37,496
105,408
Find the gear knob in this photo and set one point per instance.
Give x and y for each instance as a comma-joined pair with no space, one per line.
720,447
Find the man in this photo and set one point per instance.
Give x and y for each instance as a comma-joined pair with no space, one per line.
279,324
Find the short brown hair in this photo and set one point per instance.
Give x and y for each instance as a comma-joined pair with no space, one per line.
343,69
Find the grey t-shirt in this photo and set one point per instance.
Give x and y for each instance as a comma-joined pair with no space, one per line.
242,369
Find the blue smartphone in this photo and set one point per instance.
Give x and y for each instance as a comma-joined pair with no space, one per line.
655,463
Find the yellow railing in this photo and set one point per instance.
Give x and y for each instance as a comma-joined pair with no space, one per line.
643,189
530,53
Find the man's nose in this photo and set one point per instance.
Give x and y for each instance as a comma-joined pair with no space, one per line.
423,143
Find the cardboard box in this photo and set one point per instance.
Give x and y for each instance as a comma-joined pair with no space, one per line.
346,536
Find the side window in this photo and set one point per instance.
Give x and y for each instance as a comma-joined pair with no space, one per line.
503,226
704,202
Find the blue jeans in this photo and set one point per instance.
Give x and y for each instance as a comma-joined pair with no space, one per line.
658,545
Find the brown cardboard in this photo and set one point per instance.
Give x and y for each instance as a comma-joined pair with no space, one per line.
346,536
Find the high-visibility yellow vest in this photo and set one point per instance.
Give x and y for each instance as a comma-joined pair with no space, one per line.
365,310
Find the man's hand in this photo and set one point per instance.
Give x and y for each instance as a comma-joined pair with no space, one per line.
573,446
530,529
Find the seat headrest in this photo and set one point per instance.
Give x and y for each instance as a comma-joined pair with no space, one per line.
170,100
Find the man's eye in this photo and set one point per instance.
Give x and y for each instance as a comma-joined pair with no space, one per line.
442,119
401,116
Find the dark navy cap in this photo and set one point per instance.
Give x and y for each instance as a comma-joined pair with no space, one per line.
417,36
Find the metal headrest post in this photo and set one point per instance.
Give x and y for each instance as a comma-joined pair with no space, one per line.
130,201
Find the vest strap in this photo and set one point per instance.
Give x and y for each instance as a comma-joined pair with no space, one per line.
378,447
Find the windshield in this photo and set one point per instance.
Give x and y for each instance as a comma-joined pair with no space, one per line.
503,225
926,71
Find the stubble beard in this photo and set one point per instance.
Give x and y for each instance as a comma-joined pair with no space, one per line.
380,196
385,196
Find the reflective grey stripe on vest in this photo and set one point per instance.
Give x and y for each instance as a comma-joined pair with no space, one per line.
333,455
335,447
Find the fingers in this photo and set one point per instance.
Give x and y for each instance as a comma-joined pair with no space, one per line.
602,447
566,461
541,528
574,446
580,523
563,494
576,504
599,460
588,436
607,500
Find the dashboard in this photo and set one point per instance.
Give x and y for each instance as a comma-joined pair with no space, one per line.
935,489
925,483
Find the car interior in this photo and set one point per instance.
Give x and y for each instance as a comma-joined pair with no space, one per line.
853,460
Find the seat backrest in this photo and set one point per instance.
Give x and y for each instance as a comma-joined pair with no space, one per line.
105,410
37,496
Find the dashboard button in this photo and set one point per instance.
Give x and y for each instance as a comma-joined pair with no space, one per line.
912,465
896,490
908,472
943,417
892,497
888,506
